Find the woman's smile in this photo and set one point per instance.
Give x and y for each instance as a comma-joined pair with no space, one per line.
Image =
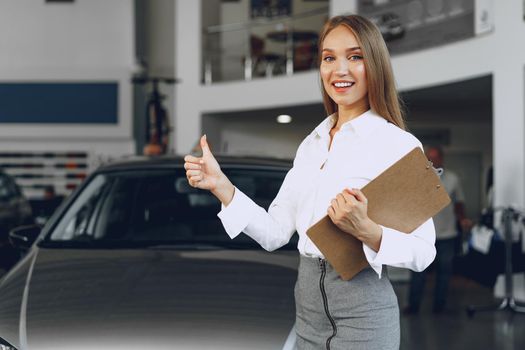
342,86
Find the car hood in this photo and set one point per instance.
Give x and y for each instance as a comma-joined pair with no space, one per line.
162,299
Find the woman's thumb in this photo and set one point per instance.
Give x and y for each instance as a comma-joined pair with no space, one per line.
204,146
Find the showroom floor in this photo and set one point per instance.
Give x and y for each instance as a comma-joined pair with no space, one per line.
453,329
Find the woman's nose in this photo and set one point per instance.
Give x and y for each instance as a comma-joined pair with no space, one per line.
342,67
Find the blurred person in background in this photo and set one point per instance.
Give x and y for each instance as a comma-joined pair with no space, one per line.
15,211
446,222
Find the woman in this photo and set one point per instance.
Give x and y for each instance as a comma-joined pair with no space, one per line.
363,136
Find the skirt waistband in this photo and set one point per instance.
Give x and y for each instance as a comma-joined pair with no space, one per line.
311,262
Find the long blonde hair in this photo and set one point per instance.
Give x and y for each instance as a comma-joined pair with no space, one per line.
382,93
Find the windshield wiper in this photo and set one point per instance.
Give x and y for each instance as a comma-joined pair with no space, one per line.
197,245
81,244
123,244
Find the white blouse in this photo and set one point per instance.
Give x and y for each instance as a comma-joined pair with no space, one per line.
362,149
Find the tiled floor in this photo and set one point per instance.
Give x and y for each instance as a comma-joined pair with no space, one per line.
454,330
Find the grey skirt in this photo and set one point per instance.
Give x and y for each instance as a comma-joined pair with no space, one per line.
333,314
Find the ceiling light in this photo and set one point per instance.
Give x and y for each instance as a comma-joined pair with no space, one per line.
284,119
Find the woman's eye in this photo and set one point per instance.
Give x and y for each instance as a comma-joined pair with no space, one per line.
328,59
355,57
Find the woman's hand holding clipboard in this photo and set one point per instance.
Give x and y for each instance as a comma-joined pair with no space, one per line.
402,197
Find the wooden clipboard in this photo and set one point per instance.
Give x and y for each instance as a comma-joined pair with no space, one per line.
402,197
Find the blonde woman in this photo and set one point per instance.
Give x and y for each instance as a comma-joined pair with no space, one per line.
361,137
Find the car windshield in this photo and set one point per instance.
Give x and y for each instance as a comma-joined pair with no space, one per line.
156,209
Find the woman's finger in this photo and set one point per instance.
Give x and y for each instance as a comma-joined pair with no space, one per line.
196,178
192,159
349,198
331,212
204,146
358,194
192,166
340,200
335,204
193,172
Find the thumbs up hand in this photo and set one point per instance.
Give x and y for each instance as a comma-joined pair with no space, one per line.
204,172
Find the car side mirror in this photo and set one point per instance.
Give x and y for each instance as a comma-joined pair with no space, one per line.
23,237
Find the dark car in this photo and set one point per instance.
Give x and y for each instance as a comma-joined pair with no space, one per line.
137,259
15,210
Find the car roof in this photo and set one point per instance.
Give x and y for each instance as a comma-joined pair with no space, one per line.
170,161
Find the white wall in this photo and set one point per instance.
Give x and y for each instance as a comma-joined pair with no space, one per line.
89,33
160,37
88,40
262,138
188,94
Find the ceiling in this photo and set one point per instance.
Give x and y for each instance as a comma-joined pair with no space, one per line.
463,101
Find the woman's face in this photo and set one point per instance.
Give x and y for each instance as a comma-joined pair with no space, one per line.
343,69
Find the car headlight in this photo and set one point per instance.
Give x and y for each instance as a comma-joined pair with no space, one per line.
5,345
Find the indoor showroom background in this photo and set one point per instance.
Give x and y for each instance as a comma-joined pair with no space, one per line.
246,77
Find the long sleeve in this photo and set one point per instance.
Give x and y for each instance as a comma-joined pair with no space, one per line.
414,251
271,229
360,151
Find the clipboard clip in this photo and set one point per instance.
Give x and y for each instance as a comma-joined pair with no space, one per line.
438,171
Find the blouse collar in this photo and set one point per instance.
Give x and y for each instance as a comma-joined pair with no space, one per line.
361,125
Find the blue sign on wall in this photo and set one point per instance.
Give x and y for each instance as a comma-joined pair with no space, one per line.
57,102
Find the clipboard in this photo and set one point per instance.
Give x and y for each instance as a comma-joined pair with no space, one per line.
402,197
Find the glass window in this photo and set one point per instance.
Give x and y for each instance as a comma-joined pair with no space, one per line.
142,208
259,39
74,225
